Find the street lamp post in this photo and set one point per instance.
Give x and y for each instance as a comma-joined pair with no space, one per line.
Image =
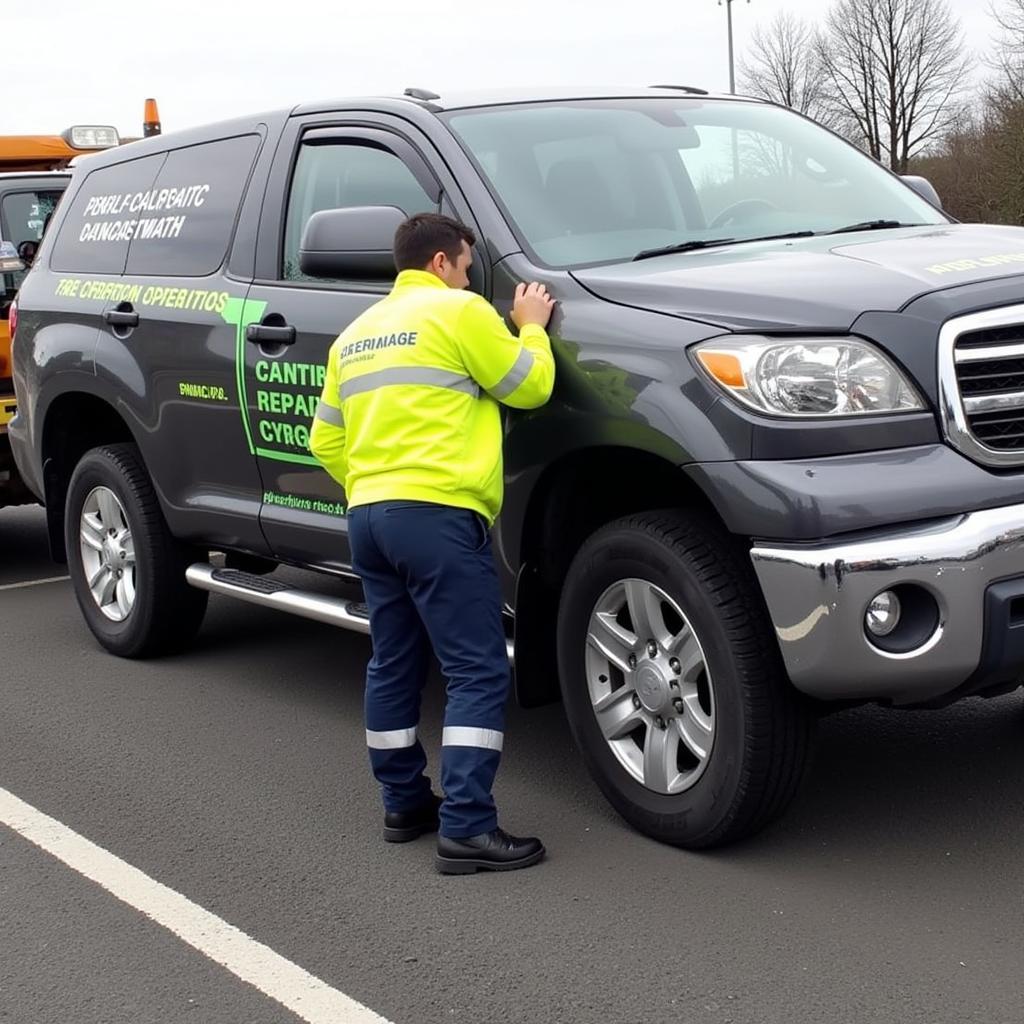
732,87
728,17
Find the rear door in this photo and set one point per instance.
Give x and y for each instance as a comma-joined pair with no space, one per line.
185,345
142,248
325,162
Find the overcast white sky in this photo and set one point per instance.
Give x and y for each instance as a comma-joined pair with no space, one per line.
73,61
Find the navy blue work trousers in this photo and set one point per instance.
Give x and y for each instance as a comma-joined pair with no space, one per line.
429,578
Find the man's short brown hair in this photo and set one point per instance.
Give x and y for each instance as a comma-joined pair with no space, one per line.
424,235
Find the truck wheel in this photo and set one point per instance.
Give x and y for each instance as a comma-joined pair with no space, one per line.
127,570
673,682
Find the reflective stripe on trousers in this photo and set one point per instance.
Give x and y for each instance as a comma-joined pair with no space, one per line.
464,736
391,739
422,566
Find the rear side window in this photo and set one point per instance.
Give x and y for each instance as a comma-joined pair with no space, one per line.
189,215
170,214
95,232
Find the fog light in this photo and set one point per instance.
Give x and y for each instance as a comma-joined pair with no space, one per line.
883,614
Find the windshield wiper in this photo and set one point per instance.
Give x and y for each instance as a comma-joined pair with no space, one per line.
873,225
667,250
773,238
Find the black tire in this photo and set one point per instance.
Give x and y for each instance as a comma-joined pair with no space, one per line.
167,612
763,727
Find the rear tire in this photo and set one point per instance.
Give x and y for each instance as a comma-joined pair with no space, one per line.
127,570
702,740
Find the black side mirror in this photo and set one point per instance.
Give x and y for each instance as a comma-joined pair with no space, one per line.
351,243
924,188
27,252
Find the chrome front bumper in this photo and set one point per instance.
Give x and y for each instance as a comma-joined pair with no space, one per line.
818,596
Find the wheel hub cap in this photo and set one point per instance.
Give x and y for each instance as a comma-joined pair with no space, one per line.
108,553
650,686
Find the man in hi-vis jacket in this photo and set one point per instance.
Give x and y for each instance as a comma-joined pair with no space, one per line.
409,424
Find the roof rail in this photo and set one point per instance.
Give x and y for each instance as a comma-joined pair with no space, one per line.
683,88
421,94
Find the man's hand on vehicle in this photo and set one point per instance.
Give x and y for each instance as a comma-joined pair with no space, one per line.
532,305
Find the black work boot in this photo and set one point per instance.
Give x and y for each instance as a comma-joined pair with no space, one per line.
490,851
403,826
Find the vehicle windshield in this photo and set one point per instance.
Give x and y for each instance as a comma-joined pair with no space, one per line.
594,181
23,215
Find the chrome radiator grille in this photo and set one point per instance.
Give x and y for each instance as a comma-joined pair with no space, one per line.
981,380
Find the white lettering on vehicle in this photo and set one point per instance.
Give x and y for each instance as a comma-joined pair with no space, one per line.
157,201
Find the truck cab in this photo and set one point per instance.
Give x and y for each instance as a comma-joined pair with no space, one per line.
27,201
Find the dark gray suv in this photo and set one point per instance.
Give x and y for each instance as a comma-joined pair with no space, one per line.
782,471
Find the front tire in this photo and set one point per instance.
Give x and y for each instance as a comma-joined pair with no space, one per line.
673,682
127,570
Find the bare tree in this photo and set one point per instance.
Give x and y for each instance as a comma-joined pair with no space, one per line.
896,69
1008,59
782,64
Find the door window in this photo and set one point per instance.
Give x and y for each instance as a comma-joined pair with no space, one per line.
342,174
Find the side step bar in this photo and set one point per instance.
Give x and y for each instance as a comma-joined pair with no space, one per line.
245,586
269,593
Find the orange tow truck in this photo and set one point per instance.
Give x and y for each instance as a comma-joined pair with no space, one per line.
34,171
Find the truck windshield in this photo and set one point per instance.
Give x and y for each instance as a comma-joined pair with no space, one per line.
597,181
23,215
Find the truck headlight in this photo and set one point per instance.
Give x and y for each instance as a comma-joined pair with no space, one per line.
807,376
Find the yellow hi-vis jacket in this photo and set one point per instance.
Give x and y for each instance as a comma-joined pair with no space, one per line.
409,409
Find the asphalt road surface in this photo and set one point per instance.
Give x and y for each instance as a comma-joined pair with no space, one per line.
236,775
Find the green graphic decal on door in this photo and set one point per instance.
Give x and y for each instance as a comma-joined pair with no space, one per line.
285,392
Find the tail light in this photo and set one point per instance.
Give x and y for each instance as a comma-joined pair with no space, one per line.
12,318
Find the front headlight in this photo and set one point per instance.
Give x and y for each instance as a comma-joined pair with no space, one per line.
807,376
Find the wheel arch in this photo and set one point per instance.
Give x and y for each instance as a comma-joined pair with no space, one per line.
74,423
574,496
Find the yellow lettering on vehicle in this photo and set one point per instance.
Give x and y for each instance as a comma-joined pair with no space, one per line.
206,392
995,260
197,299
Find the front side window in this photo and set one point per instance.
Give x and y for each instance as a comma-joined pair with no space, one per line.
595,181
335,175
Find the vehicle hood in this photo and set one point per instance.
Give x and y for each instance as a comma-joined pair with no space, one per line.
823,283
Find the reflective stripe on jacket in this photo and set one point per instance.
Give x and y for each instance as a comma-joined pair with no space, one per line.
409,409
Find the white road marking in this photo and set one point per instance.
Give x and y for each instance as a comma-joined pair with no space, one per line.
306,996
33,583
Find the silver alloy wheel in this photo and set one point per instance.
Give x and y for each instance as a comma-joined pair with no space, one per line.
108,553
650,686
